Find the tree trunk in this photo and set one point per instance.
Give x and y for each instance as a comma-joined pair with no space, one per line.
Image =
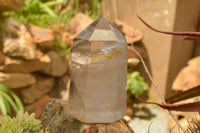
56,119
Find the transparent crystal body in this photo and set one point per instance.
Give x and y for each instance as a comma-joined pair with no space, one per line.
99,68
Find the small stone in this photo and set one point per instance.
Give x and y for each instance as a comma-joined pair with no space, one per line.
79,22
58,65
131,34
127,118
22,45
43,37
34,92
16,80
25,66
38,106
133,62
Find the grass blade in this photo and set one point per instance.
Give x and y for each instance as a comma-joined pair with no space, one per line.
18,102
48,10
9,99
8,108
2,106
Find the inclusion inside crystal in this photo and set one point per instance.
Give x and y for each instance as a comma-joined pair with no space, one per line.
99,67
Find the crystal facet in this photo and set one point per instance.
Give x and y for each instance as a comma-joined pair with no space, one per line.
99,68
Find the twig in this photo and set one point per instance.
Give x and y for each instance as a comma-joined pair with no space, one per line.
148,73
155,85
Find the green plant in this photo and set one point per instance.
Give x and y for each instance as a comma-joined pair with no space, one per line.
136,84
95,4
22,123
61,47
9,100
39,13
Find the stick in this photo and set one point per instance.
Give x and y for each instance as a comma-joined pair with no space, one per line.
155,85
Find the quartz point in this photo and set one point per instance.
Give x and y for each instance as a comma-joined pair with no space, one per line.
99,74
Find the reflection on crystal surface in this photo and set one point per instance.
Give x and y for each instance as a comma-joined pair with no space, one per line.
99,65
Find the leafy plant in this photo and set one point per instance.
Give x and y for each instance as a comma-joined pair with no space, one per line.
136,84
39,13
9,100
22,123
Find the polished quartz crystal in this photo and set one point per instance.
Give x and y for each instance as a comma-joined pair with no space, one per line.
99,68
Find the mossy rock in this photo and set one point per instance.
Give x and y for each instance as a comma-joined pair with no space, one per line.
56,119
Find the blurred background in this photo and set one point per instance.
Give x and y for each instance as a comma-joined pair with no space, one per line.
36,38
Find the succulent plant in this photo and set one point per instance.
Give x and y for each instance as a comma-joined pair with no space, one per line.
22,123
136,84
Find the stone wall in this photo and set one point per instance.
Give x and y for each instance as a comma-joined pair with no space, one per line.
30,66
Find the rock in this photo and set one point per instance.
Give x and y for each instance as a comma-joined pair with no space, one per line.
58,29
58,65
25,66
16,80
129,111
133,62
189,76
43,37
22,45
131,34
38,106
127,118
8,5
140,49
2,58
66,35
34,92
56,119
194,62
61,87
80,22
